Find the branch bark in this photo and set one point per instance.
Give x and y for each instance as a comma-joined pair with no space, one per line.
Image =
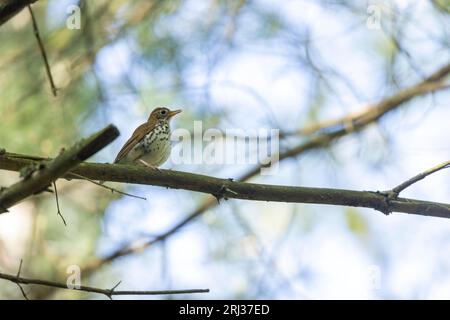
17,279
227,188
38,175
9,8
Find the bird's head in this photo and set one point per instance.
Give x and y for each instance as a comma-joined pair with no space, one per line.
162,113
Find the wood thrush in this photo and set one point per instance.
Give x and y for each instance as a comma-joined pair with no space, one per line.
150,143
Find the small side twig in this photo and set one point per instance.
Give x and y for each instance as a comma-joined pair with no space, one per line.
43,53
111,291
57,204
222,191
395,192
419,177
18,283
106,187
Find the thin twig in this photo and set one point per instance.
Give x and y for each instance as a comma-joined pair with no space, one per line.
419,177
107,292
43,53
18,283
57,203
106,187
111,291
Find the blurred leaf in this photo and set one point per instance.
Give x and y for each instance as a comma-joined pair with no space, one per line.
356,223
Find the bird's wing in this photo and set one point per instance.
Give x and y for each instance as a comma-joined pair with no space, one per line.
137,136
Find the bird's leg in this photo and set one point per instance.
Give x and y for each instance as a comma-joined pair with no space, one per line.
148,165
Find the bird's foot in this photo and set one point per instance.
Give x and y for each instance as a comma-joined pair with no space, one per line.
148,165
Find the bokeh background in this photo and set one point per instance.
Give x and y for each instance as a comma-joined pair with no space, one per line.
247,64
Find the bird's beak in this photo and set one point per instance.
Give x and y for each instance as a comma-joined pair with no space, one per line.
174,112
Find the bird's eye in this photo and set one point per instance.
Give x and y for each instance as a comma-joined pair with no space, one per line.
163,112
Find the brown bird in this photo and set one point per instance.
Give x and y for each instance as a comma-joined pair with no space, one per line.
150,143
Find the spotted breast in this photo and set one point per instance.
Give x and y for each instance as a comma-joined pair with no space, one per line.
150,143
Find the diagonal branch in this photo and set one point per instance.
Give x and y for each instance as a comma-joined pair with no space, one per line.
373,112
43,53
9,8
128,249
38,175
107,292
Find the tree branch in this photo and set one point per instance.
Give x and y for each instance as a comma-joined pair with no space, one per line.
38,175
9,8
356,120
227,188
107,292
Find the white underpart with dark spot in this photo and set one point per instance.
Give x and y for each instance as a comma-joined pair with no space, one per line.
154,148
